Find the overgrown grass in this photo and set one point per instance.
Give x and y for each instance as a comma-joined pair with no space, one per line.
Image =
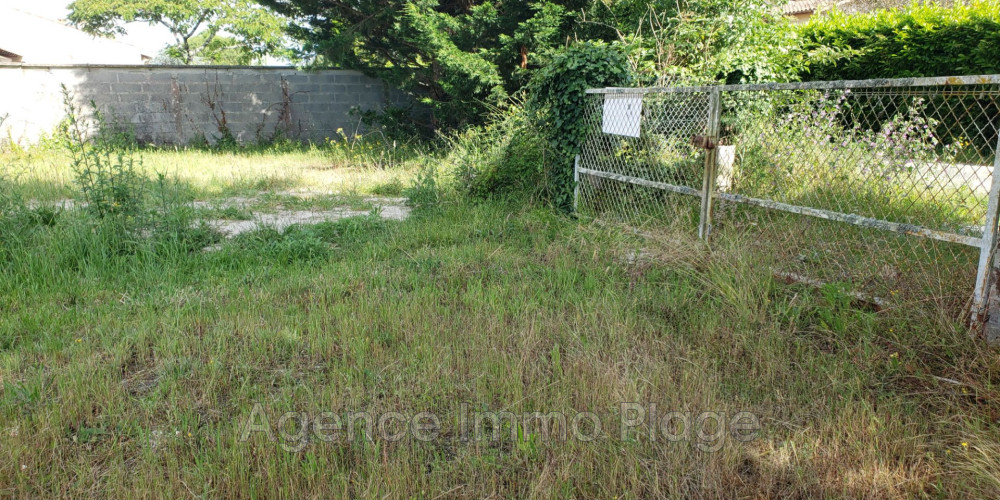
45,174
133,367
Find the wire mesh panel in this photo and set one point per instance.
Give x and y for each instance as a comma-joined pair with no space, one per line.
638,164
877,166
886,186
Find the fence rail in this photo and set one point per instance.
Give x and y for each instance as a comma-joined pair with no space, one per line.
886,185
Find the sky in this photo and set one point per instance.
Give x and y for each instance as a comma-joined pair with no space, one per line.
149,39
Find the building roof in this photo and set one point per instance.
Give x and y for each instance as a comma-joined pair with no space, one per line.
31,39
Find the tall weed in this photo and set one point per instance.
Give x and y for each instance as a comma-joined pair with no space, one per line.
107,175
424,192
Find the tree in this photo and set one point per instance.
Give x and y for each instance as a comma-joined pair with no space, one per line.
200,27
464,56
703,40
219,50
460,56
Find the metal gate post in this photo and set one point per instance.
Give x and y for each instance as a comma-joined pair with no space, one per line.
987,249
576,182
711,157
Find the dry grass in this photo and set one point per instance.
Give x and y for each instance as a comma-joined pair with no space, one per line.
46,174
135,374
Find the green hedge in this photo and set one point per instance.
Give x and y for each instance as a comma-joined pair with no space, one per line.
921,40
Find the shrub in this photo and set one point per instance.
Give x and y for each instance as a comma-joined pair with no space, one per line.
504,158
921,40
704,41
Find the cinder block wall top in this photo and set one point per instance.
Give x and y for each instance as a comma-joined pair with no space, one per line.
181,104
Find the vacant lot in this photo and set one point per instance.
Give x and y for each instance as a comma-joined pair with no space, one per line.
135,361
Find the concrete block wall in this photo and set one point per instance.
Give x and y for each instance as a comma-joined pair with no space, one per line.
181,104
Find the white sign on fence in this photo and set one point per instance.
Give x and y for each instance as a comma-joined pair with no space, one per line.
622,114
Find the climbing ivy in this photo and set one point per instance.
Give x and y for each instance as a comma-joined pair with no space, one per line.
558,100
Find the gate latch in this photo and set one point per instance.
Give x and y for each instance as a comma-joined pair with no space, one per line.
701,141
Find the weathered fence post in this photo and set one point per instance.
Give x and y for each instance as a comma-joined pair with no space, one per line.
987,251
711,157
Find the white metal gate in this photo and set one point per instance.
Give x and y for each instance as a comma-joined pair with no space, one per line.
886,185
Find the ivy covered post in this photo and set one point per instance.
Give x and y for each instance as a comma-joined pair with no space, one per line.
558,100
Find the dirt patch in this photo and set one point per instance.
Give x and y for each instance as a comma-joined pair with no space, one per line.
234,202
390,208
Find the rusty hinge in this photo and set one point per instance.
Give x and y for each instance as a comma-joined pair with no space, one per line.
701,141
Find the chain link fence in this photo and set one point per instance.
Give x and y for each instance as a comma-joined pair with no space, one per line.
885,186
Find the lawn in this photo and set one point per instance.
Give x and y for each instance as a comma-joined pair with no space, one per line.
149,366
